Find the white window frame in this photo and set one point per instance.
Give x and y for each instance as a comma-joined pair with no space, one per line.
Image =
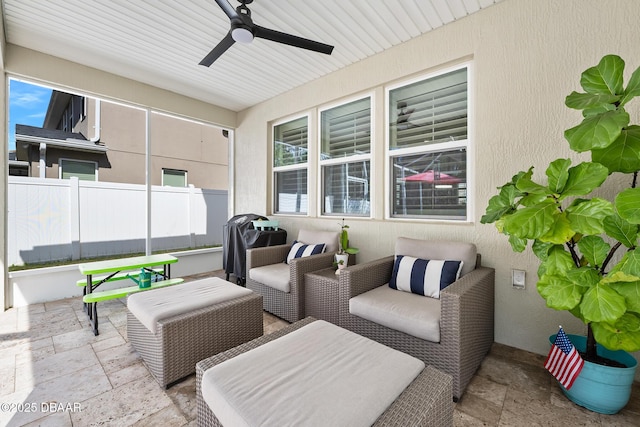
61,160
350,159
184,172
298,166
467,144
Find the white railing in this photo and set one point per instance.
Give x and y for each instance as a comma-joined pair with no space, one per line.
56,219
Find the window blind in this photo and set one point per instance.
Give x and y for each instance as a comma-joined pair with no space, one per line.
290,142
346,130
430,111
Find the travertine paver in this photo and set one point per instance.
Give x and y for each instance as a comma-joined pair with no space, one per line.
49,356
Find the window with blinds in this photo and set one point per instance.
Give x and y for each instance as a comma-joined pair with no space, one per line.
290,157
428,145
85,171
290,142
345,158
346,130
429,111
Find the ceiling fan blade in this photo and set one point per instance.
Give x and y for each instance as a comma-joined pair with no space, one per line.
215,53
227,9
291,40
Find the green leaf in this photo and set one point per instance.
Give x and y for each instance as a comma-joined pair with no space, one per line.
533,199
585,276
517,244
597,131
587,216
559,292
621,230
624,334
633,88
628,205
604,78
584,178
594,249
602,304
557,262
558,174
501,204
623,155
629,264
618,278
631,293
560,231
581,101
541,249
531,222
594,111
526,184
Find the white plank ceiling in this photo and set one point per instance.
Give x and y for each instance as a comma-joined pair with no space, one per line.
161,42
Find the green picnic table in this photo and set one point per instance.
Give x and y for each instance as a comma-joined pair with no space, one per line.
116,269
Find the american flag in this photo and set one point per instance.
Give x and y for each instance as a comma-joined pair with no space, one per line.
564,361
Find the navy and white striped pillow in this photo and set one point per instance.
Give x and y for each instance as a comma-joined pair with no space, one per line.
299,250
422,276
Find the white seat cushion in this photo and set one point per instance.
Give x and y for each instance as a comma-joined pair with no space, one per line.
276,276
318,375
157,304
412,314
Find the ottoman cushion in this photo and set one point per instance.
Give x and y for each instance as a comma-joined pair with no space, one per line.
150,306
319,375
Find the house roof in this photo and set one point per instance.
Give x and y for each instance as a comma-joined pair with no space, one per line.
161,43
60,135
53,138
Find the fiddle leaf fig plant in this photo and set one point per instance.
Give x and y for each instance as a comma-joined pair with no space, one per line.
588,244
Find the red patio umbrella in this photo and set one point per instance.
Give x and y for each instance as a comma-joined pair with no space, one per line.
433,177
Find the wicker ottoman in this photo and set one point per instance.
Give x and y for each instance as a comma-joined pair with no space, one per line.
426,401
220,316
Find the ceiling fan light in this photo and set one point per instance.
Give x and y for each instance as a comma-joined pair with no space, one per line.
242,35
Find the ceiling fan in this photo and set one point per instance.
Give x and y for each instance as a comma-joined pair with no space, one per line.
243,30
404,114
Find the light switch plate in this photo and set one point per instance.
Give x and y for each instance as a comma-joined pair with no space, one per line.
518,279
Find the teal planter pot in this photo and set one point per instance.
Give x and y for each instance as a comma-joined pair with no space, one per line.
602,389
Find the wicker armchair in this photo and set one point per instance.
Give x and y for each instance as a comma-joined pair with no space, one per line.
288,305
467,310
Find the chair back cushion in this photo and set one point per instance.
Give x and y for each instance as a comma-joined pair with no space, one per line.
329,238
443,250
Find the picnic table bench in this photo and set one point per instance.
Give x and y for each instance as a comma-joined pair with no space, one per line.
120,269
123,292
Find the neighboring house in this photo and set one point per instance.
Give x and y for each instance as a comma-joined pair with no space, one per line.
17,167
103,141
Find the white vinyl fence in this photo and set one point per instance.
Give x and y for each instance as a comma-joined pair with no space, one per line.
55,219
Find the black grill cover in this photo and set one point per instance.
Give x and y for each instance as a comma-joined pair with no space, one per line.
239,235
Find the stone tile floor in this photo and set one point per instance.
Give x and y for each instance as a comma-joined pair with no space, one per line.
55,372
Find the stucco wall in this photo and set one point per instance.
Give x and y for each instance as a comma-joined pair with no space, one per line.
526,57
